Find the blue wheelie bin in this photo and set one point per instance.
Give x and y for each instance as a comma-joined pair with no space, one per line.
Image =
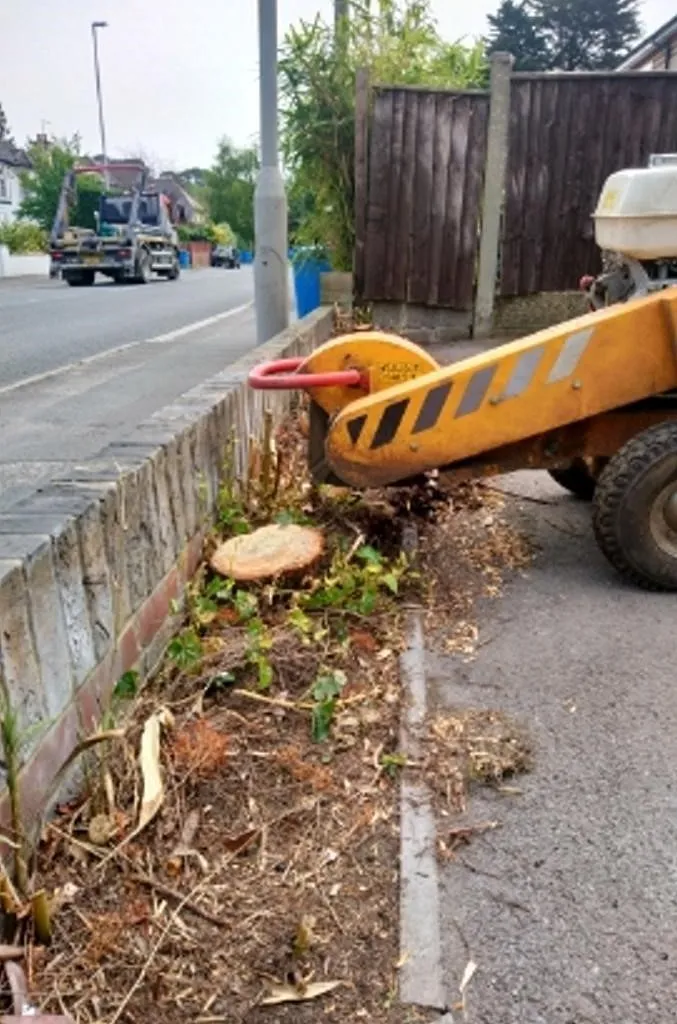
309,263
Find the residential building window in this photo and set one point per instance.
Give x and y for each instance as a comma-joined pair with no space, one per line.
4,184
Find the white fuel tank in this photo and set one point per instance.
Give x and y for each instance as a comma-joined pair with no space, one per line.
636,213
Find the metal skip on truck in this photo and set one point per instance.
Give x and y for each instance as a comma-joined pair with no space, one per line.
133,239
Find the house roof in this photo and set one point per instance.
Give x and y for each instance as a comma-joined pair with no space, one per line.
649,45
123,172
12,155
169,179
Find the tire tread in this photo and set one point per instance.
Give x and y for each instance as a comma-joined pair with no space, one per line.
627,465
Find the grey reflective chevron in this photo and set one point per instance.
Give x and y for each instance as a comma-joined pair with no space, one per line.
389,423
432,407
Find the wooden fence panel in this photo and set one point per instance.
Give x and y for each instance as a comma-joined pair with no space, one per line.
427,151
567,134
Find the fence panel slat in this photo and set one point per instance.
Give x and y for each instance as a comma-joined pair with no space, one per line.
426,165
567,134
376,239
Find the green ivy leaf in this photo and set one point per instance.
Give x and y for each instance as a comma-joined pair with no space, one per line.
265,673
221,681
321,719
185,649
328,686
367,602
127,686
246,604
391,581
369,555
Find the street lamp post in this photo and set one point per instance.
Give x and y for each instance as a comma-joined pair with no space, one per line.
97,73
270,202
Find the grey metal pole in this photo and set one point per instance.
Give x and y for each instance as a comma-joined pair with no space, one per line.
271,288
97,73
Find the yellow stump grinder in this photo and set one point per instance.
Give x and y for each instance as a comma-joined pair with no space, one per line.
592,400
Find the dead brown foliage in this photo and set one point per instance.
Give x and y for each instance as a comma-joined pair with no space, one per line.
270,867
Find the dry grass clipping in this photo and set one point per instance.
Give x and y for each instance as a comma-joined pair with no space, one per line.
473,746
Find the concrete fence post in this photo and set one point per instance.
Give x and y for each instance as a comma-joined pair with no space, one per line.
494,184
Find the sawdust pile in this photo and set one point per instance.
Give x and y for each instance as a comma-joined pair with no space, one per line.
468,549
472,747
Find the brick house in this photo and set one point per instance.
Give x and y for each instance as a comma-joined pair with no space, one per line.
12,161
125,173
656,52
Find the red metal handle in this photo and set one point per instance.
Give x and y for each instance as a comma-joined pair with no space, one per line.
280,375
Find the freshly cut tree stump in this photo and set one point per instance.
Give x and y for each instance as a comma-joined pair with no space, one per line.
267,552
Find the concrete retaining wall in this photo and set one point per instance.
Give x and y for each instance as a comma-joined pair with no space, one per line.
336,286
90,566
424,325
525,314
27,265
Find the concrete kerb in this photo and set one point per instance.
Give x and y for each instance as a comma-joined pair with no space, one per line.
421,976
91,565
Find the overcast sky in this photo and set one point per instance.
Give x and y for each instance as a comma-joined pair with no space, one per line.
176,75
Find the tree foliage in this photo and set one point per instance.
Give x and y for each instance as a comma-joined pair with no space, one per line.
229,190
5,135
398,42
565,35
41,186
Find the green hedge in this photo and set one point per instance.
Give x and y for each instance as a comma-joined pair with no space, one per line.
23,236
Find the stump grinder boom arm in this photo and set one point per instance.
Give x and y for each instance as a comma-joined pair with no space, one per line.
591,400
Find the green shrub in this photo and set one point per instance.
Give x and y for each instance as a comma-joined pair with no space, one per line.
215,234
22,236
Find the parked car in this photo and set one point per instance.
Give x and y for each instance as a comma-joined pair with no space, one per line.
226,256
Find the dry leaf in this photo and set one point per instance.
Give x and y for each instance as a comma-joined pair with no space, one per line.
190,827
61,898
364,641
470,969
235,844
305,936
149,759
101,829
184,849
289,994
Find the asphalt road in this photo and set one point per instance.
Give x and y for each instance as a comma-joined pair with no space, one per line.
80,367
568,909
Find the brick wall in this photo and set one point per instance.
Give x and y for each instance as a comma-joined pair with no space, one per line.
200,253
90,565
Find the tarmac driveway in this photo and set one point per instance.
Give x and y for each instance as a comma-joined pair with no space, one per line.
569,909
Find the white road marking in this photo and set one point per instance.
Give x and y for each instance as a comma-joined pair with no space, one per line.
160,339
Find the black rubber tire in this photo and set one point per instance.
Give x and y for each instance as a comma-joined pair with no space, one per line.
171,273
626,492
143,268
81,278
577,479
